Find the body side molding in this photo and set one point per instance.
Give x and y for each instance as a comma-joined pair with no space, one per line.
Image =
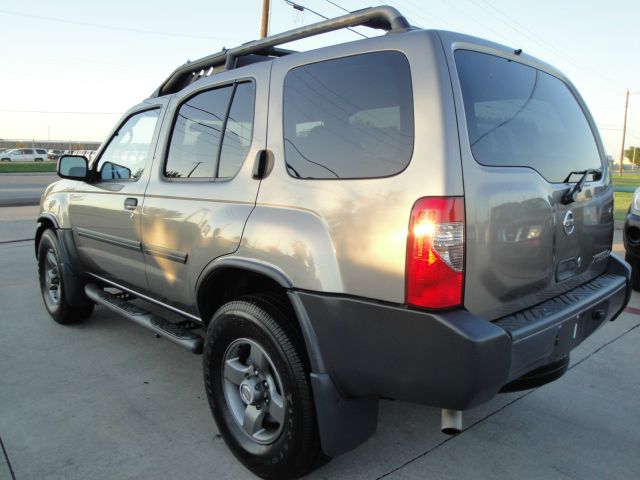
166,253
110,239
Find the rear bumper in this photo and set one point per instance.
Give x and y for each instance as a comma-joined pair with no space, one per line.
453,359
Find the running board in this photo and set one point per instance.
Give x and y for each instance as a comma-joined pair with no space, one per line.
175,332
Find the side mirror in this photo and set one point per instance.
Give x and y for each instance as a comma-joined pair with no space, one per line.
74,167
114,171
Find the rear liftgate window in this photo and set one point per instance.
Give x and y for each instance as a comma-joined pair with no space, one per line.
350,117
520,116
204,121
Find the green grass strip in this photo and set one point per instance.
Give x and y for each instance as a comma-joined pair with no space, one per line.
27,167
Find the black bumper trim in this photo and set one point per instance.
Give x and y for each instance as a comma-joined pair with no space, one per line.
454,359
539,317
548,332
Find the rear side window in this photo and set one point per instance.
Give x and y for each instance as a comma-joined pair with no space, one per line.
237,132
198,141
520,116
350,117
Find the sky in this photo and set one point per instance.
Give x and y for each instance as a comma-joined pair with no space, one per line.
70,69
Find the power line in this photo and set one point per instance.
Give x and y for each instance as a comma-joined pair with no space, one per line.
112,27
339,6
633,135
523,30
302,8
618,129
475,20
415,11
61,112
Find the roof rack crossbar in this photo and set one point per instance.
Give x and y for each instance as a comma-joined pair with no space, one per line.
382,17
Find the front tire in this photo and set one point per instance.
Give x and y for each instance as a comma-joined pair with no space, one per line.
52,284
257,382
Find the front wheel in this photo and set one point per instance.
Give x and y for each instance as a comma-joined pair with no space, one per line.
52,284
257,382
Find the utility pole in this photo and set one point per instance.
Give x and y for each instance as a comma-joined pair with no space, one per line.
624,132
264,26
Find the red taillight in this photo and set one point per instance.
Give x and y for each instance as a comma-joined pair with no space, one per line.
435,253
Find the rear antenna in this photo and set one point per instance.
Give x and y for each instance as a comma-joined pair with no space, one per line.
518,51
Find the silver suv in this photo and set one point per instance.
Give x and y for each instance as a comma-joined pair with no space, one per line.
24,155
423,216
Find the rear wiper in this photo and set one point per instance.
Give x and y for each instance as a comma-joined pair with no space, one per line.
569,195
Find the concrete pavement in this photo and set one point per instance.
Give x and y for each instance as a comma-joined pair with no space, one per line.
106,400
20,189
18,223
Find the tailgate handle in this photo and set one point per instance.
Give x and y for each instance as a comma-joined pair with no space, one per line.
130,203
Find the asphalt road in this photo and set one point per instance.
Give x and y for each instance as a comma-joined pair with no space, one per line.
20,189
107,400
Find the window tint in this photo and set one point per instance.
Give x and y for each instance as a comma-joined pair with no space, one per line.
127,152
196,135
237,134
195,142
349,117
520,116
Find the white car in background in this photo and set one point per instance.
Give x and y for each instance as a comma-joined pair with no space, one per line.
24,155
89,154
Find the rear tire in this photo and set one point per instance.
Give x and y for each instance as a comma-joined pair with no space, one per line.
52,284
257,381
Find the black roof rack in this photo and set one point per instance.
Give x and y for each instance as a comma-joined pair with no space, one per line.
382,17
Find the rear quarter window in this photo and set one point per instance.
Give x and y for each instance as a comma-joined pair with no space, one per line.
349,117
520,116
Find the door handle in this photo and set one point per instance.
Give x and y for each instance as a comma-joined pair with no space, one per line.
130,203
263,164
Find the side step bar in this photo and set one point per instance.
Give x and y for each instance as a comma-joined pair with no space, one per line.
174,332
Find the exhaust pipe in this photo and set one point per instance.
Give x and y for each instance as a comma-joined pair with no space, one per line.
451,421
